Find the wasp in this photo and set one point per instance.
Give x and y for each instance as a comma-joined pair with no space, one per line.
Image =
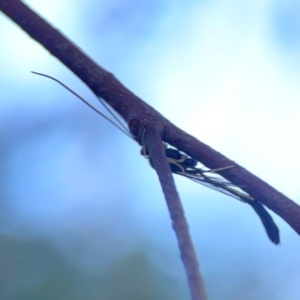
186,166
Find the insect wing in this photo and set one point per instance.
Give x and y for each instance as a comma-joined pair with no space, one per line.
218,184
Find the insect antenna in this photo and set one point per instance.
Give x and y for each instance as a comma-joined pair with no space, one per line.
118,124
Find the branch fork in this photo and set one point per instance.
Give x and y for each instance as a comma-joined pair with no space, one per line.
140,116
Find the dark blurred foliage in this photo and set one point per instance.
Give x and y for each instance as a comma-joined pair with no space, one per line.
33,269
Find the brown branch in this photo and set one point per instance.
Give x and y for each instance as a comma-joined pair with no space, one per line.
156,149
130,107
122,100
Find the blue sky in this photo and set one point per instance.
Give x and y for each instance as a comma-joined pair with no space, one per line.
224,71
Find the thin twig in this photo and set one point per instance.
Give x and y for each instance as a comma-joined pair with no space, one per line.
157,154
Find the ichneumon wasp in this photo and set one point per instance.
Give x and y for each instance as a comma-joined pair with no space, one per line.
184,165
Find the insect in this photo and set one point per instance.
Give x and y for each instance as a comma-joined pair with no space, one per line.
186,166
182,164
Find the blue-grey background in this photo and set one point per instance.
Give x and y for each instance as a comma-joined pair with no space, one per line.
82,215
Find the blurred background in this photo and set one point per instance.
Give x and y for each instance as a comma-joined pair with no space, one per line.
82,215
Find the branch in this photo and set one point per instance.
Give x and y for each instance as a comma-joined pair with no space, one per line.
157,154
130,107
